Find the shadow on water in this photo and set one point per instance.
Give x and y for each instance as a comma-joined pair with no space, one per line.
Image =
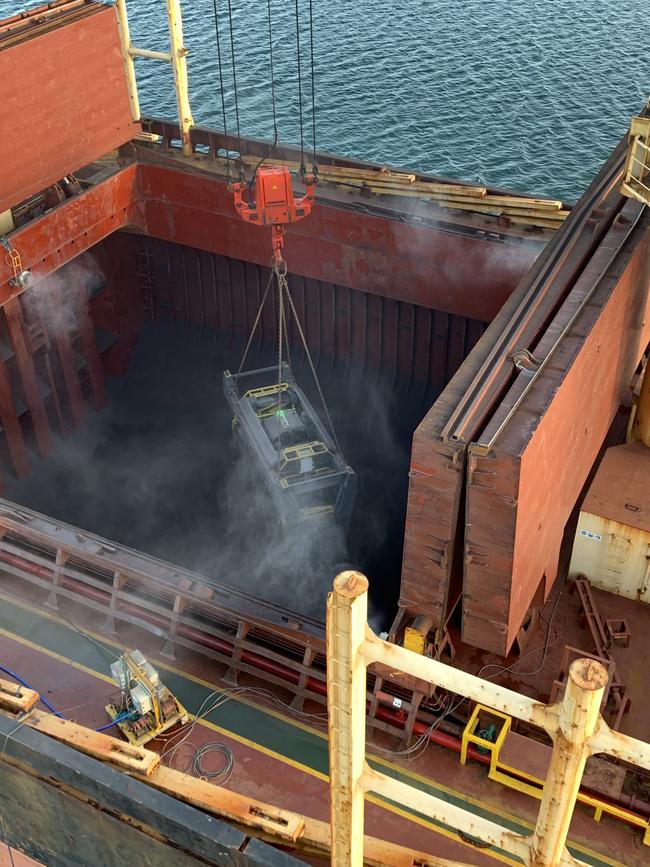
155,471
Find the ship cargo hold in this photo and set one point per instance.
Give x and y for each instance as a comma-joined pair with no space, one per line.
476,352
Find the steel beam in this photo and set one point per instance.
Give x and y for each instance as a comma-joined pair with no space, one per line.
80,302
56,320
11,424
28,377
574,725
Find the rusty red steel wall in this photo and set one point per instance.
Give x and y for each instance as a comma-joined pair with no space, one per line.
197,211
432,577
522,492
469,275
222,294
64,103
432,570
50,371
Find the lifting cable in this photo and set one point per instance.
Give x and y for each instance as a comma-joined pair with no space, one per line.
234,84
313,369
257,320
220,60
282,282
314,167
303,170
223,95
283,340
279,268
274,143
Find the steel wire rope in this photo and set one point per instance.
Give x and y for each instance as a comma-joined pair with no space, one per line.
286,340
234,83
302,136
223,95
313,369
222,775
282,284
313,88
257,321
273,106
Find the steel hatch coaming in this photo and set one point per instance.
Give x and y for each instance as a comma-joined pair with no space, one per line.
55,799
466,276
435,522
521,494
72,228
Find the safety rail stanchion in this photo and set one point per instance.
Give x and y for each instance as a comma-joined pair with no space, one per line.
575,725
176,56
578,719
347,612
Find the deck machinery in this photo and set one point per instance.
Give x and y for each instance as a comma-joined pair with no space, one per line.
145,707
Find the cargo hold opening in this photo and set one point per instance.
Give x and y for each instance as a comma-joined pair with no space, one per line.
155,469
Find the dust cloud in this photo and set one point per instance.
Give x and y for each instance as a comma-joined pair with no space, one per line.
46,297
155,471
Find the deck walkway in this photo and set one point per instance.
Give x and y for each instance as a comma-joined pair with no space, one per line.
277,759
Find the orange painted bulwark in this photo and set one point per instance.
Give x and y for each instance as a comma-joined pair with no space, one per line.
73,227
64,104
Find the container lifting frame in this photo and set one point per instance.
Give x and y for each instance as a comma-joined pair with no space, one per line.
176,55
574,724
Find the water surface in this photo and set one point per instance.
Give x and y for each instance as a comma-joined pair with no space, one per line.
528,94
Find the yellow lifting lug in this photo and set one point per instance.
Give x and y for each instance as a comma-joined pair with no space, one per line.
22,278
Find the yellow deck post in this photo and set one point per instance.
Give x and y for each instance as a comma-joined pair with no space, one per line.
347,608
577,722
178,54
129,65
575,725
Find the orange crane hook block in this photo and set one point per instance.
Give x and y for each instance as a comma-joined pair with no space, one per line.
275,204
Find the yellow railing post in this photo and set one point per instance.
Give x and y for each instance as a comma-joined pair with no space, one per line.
129,65
179,64
577,722
347,608
176,56
575,725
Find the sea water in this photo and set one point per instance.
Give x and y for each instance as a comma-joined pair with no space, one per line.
531,95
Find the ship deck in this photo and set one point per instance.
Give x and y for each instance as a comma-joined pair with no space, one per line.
278,758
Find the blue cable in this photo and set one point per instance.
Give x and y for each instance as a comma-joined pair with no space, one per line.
118,719
52,709
29,686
